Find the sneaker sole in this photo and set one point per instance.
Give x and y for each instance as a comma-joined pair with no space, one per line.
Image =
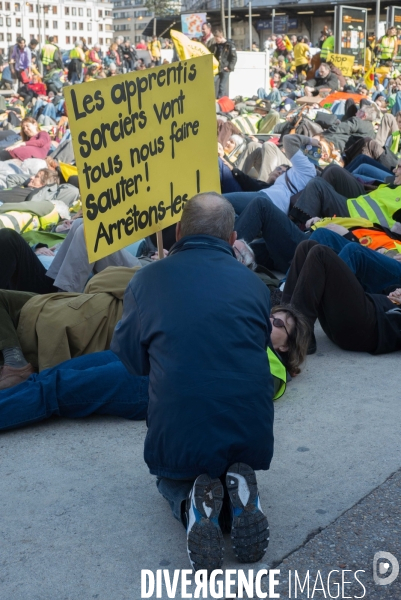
250,529
205,540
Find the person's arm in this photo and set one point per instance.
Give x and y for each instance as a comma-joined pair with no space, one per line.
127,340
346,127
247,183
233,58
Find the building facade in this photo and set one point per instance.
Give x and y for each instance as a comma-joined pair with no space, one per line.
130,19
67,20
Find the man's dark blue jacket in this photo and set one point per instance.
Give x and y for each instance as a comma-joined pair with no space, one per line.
198,323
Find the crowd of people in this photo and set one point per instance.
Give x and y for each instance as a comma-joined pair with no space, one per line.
306,228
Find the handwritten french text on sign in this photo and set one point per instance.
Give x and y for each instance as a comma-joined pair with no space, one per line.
144,143
342,62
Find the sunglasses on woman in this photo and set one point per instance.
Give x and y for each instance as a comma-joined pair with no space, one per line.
280,323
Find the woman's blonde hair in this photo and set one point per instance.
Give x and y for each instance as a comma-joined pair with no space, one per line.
298,340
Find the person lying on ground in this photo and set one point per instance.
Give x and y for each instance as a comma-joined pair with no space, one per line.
326,80
34,144
320,199
288,183
360,125
322,287
97,383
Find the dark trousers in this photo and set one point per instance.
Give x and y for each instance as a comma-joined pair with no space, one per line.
281,235
320,199
20,267
362,159
221,84
5,155
322,287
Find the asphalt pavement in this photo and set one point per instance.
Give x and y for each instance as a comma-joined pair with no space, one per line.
81,516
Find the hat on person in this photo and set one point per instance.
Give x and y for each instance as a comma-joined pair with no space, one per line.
226,104
264,105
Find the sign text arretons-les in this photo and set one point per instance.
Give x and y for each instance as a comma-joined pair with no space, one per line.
144,144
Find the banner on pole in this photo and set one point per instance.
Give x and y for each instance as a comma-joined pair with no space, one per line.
144,143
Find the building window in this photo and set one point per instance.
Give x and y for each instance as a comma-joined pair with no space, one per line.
8,7
55,24
1,6
100,27
101,41
67,39
89,13
17,7
46,24
67,10
81,12
9,37
31,23
54,10
31,8
90,41
107,13
74,25
55,37
8,22
100,14
1,37
108,41
81,26
67,25
89,26
74,39
74,11
1,22
108,27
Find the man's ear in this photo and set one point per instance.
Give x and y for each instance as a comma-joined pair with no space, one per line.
178,234
232,238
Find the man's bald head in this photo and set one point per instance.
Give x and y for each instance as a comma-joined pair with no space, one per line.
207,214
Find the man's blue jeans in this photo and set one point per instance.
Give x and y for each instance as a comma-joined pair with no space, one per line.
362,159
92,384
375,271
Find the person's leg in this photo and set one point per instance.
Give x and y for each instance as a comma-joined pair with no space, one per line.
319,199
240,200
323,287
228,183
373,270
342,182
224,84
250,157
5,155
176,492
363,159
272,157
333,240
281,235
371,173
388,125
20,267
97,383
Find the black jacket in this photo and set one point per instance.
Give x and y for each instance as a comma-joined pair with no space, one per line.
340,134
325,82
226,54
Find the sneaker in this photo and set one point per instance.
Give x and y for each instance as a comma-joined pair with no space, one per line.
250,529
204,537
11,376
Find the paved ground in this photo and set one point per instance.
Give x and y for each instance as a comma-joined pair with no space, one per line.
81,516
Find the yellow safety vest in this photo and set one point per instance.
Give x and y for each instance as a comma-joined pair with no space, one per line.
378,206
327,46
278,370
48,52
387,46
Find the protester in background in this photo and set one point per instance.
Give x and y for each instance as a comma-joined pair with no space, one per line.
226,54
326,80
21,61
301,56
327,45
75,67
141,45
208,38
155,49
113,56
387,46
130,56
51,54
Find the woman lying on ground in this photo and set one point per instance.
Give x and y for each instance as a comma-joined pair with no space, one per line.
323,287
34,144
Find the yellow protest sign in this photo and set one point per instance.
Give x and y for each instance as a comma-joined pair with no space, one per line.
187,48
144,144
342,62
